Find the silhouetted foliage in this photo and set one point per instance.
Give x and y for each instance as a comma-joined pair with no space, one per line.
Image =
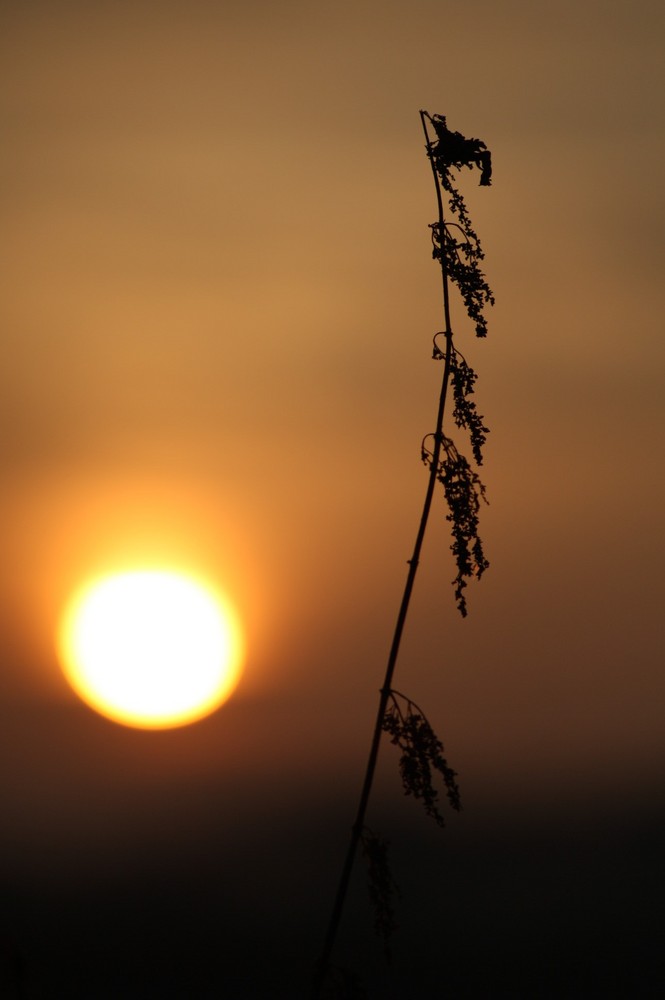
465,414
380,885
464,492
456,243
452,150
342,984
461,257
422,753
458,250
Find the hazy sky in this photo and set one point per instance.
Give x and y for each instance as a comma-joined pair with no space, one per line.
217,306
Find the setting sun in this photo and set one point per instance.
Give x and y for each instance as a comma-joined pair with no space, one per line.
150,648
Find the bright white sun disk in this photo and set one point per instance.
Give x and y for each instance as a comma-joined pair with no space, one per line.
150,648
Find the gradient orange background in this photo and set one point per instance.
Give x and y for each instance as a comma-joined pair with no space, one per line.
217,305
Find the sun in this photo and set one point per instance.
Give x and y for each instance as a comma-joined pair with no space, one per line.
150,648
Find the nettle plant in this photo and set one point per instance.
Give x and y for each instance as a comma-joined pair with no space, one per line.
422,764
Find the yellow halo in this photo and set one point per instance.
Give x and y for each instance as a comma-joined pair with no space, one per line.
150,648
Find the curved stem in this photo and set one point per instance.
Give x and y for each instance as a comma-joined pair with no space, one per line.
359,824
439,202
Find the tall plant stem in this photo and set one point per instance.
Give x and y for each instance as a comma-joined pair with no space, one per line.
359,824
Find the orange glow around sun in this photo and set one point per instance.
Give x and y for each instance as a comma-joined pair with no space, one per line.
153,649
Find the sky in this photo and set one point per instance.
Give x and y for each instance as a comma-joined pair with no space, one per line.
217,306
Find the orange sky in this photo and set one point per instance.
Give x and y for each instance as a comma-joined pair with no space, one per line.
217,306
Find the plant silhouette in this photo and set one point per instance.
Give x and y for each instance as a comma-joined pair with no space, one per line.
456,247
